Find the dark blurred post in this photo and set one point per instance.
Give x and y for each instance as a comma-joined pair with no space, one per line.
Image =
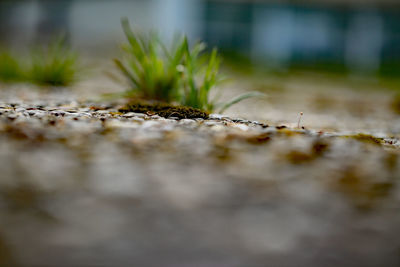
7,8
54,20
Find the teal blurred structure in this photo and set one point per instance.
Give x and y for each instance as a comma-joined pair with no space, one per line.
359,36
355,35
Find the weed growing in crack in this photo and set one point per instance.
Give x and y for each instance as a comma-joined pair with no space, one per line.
172,75
150,67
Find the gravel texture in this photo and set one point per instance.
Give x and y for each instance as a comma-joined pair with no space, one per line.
82,184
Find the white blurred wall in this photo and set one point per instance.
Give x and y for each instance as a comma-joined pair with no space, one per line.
95,25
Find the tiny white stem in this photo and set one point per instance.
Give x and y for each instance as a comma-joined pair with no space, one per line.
298,122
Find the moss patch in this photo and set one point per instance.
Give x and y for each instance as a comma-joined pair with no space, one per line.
164,110
366,138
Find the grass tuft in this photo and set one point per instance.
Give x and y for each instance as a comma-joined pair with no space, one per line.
177,74
151,68
10,69
54,65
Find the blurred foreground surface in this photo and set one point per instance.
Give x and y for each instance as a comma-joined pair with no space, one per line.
83,185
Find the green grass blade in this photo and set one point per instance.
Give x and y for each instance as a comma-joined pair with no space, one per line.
125,71
240,98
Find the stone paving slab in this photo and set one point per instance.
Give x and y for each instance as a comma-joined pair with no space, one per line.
82,184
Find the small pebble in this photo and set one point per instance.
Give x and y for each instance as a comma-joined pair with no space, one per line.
187,122
133,114
217,116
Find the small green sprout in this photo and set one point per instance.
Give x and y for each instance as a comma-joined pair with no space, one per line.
151,68
54,65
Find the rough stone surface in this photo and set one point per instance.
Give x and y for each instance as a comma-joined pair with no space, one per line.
81,184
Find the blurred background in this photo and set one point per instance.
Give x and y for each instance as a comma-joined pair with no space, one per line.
354,36
75,193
